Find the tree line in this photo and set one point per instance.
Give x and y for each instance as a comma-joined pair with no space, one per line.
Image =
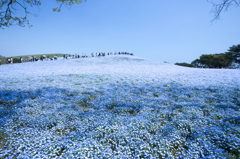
221,60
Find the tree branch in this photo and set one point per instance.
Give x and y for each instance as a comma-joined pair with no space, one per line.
7,19
218,8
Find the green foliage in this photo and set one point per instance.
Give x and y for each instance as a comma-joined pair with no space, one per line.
219,60
9,8
16,60
3,138
195,63
213,60
66,2
184,64
234,53
3,59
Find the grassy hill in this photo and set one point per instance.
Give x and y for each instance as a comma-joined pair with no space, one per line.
118,107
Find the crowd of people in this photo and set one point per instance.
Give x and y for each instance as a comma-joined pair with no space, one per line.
48,58
28,59
10,60
32,58
65,56
110,53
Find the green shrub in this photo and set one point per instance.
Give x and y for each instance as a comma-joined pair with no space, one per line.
16,60
3,59
184,64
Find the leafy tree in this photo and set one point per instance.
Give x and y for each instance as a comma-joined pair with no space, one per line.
221,60
9,8
234,53
195,63
206,60
213,60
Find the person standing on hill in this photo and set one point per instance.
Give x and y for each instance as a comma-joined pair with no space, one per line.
11,60
21,59
0,61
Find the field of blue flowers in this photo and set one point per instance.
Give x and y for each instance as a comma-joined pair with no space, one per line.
118,107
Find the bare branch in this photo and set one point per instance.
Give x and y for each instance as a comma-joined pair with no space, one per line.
224,5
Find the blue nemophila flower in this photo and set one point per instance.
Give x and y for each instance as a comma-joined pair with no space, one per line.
118,107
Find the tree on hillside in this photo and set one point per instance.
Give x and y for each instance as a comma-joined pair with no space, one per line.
213,61
9,9
221,60
234,53
206,60
195,63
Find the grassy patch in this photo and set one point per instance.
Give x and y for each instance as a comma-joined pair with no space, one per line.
39,55
3,138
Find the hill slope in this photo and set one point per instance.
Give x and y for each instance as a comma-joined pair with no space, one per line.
118,107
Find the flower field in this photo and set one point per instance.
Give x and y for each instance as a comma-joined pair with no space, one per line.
118,107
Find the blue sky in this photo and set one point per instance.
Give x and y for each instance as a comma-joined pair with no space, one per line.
172,31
